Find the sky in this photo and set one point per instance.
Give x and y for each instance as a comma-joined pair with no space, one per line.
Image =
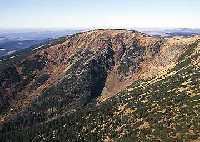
99,14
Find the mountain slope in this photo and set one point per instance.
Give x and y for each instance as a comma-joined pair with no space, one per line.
105,85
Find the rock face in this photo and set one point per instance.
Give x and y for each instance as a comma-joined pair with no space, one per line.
102,85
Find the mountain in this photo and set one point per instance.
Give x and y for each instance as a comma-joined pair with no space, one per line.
103,85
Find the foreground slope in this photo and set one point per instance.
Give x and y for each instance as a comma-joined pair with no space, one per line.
109,85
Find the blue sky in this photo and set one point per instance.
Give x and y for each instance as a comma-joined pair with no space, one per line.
99,13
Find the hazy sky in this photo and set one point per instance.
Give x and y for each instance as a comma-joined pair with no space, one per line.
99,13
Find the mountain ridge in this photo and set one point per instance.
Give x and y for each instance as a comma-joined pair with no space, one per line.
85,71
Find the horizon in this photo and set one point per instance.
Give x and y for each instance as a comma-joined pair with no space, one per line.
94,28
90,14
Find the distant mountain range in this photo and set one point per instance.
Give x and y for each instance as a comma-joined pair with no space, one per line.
171,32
14,40
36,34
10,47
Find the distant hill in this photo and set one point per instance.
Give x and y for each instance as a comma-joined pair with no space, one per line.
172,32
10,47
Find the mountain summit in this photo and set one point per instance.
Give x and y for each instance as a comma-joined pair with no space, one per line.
102,85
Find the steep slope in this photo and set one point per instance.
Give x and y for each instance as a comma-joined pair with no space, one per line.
80,89
83,56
